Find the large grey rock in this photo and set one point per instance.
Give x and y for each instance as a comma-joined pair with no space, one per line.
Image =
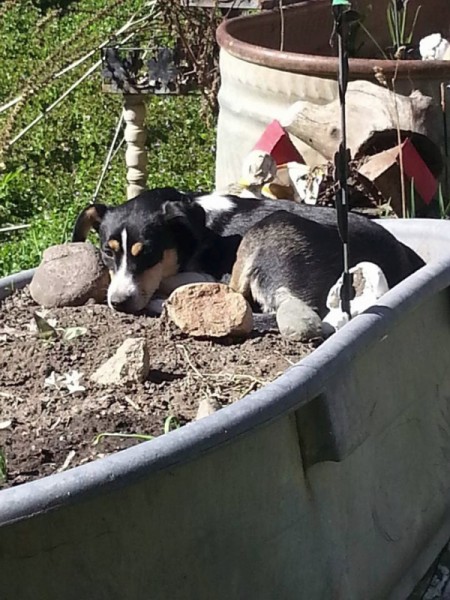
70,275
129,364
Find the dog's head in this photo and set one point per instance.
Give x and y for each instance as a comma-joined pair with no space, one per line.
143,242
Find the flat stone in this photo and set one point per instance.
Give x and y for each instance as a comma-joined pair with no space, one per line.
129,364
70,275
210,310
297,321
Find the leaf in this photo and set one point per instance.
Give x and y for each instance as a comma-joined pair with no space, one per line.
45,330
53,380
72,382
71,333
171,423
413,26
135,436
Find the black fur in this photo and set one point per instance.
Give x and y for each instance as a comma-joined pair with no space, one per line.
207,240
305,256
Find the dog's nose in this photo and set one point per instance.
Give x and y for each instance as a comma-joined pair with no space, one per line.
121,305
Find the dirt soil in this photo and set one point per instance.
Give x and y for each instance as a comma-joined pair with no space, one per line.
45,428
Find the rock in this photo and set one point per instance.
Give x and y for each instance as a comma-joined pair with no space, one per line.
70,275
210,310
369,283
297,321
207,407
130,364
434,47
258,168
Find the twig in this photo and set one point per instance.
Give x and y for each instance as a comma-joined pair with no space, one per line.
119,146
189,361
61,98
280,6
236,376
399,141
79,61
11,228
108,158
54,104
67,462
131,403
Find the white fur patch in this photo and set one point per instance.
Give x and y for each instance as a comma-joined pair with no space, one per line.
122,285
216,203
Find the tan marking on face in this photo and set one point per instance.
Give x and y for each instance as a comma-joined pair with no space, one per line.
137,248
149,281
114,245
170,264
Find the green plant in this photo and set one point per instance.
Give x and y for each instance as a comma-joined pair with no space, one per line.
3,467
64,152
443,208
170,423
396,16
134,436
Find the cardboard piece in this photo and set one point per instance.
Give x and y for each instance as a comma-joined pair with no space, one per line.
276,142
384,170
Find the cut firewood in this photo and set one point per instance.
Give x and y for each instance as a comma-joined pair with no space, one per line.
371,109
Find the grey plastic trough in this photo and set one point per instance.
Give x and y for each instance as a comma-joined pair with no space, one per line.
332,482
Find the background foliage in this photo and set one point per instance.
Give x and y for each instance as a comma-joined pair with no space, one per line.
51,173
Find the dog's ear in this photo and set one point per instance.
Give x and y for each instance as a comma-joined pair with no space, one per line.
185,215
89,218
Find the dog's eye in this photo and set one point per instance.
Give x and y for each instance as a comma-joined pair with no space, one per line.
107,251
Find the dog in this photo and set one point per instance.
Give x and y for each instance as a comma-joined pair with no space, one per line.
163,234
287,256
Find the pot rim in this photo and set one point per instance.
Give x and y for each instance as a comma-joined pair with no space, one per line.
297,386
316,64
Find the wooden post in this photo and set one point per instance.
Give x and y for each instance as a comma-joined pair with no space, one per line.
135,134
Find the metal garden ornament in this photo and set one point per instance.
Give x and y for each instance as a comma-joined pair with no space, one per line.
343,15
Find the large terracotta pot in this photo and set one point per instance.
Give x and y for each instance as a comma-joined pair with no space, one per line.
260,81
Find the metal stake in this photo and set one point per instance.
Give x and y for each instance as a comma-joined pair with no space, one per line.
342,156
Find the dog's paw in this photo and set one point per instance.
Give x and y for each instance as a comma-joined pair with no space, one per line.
297,321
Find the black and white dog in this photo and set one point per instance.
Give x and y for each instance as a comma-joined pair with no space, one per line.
163,233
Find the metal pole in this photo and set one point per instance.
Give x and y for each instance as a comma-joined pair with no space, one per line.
341,159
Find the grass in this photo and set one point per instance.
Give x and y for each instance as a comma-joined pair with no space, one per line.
170,423
3,467
50,174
